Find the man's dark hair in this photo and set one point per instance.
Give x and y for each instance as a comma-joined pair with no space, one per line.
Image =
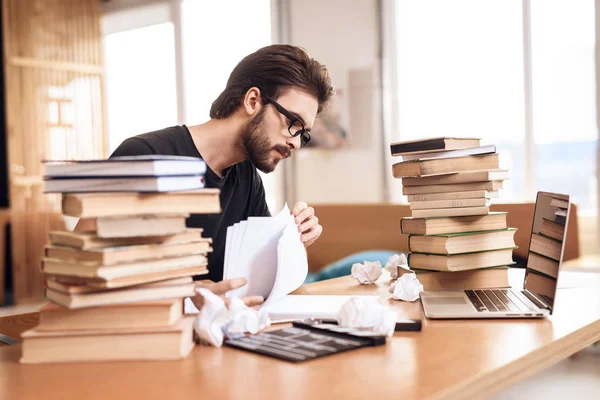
273,69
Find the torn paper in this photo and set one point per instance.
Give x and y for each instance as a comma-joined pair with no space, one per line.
367,273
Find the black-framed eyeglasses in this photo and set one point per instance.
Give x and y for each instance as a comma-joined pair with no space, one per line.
296,126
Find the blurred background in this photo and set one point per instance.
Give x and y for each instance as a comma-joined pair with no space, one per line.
80,76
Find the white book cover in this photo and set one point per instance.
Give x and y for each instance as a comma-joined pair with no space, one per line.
128,166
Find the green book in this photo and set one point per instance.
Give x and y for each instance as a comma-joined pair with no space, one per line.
461,262
463,242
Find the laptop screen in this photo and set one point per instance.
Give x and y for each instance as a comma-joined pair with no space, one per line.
547,245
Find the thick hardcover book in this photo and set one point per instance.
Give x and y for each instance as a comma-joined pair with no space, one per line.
439,143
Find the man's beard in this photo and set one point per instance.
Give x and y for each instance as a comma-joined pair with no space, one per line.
258,146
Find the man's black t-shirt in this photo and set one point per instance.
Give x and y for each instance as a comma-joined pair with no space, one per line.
242,191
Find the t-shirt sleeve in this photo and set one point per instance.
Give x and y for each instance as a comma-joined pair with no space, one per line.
133,146
259,202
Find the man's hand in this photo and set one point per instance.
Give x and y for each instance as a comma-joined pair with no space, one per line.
220,288
308,224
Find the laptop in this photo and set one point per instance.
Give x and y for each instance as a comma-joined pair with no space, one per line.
536,299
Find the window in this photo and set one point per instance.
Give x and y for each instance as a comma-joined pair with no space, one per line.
214,41
460,72
564,113
463,76
140,81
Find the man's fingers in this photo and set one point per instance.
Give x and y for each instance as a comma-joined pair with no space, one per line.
223,286
304,215
252,301
307,225
298,207
310,237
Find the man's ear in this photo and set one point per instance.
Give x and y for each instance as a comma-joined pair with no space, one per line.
252,101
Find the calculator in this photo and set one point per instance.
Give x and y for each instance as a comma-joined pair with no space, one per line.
306,340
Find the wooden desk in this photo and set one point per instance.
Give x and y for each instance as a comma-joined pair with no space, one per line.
448,359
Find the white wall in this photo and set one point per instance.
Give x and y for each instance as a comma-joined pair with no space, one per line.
345,37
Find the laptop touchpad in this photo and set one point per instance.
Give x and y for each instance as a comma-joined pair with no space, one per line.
448,300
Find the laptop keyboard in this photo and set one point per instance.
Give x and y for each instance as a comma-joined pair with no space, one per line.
497,300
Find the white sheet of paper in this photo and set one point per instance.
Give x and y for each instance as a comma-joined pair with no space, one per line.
257,253
239,229
292,263
231,249
293,306
228,239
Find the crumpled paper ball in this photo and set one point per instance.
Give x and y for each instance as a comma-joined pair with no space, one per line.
395,261
215,321
407,288
244,319
366,313
367,273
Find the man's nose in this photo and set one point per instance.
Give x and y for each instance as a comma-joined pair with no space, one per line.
294,142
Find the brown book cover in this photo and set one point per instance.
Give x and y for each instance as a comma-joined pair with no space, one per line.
141,225
460,262
542,264
417,168
123,254
552,229
459,177
81,288
444,225
89,240
542,284
143,344
109,272
458,243
451,212
93,205
112,297
146,314
546,246
469,194
126,281
489,186
458,203
486,278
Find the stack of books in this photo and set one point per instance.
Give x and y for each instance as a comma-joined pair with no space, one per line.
546,246
449,183
117,288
